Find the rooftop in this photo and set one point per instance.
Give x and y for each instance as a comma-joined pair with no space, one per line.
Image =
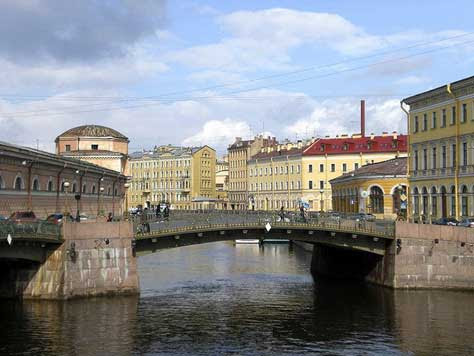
92,131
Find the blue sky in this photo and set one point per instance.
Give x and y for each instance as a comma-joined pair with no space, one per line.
202,72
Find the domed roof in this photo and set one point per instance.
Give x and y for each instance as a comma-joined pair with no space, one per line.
92,131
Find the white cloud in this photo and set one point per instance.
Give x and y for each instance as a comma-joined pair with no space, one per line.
218,133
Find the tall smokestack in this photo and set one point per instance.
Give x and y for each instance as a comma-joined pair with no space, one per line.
362,118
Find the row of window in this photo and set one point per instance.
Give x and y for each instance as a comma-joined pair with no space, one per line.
160,164
443,200
277,186
162,174
19,185
269,171
432,158
443,117
332,167
161,185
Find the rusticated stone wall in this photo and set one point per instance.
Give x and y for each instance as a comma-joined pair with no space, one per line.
95,259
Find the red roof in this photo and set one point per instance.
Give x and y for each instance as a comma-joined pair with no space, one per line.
344,145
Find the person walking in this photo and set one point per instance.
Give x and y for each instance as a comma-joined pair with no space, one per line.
281,214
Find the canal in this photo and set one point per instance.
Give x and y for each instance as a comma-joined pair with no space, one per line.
222,299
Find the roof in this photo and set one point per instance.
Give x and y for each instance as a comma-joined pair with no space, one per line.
92,131
240,144
367,144
280,153
390,168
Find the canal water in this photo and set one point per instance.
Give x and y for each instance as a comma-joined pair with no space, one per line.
222,299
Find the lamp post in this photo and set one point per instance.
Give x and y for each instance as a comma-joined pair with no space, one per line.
101,190
126,186
66,188
321,207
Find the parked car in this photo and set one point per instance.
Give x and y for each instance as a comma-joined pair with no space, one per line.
58,218
466,222
446,221
20,217
2,218
83,217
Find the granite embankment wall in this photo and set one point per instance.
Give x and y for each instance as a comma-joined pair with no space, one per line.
95,259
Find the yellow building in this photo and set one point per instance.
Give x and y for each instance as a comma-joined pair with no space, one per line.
96,144
171,174
441,165
328,158
238,154
222,183
275,177
378,188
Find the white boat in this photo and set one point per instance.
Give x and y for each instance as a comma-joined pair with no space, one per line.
248,241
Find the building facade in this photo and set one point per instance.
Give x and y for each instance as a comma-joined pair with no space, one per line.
96,144
238,154
171,174
378,188
328,158
46,183
441,165
274,177
222,183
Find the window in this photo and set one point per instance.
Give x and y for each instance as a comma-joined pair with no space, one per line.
310,169
1,182
453,154
464,113
18,183
433,120
94,147
321,184
376,200
464,201
425,159
453,115
425,122
415,129
50,186
333,167
310,184
443,118
464,153
416,160
321,167
35,185
443,156
356,165
344,167
433,158
68,148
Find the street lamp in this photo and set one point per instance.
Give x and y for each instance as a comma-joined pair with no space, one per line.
321,207
126,186
66,188
101,213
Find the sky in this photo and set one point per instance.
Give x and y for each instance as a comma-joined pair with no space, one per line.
190,72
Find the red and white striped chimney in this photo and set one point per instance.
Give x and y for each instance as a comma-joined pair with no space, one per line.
362,118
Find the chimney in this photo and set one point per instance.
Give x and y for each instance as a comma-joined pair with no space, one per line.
362,118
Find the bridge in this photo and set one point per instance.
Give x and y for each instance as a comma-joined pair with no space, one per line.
188,228
48,261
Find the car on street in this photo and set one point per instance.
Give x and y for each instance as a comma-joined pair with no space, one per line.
58,218
20,217
446,221
466,222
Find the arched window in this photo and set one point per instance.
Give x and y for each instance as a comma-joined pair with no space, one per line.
444,206
464,201
50,186
453,201
63,188
84,188
18,183
108,191
1,183
416,201
376,200
74,187
93,189
424,201
434,202
35,184
399,192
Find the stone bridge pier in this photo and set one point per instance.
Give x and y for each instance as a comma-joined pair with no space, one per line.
95,258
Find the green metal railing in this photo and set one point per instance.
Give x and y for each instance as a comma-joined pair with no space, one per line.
40,230
202,221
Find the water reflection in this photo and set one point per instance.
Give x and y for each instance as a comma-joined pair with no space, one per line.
220,299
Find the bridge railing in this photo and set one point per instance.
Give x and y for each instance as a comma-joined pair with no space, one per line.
186,221
40,230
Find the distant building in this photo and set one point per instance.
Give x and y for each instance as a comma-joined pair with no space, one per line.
274,177
328,158
378,188
46,183
222,183
96,144
441,165
239,153
172,174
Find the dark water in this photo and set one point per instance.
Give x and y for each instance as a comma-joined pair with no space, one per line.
219,299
